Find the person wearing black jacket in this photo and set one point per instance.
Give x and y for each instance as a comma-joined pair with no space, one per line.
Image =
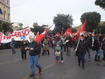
24,44
34,52
88,38
96,46
103,48
81,50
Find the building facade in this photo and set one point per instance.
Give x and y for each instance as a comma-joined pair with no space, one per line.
5,10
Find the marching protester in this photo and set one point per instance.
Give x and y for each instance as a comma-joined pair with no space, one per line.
96,46
57,53
88,38
12,44
68,45
24,44
81,50
60,42
45,47
103,48
53,43
34,52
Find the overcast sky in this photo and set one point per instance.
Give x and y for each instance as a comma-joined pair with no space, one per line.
43,11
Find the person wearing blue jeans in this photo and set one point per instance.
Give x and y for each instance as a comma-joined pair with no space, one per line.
34,52
97,56
34,63
96,44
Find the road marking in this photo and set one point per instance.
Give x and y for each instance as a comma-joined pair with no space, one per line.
46,67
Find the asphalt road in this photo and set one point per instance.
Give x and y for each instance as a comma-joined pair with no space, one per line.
13,67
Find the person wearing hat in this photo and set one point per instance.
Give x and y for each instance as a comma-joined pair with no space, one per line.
81,50
34,52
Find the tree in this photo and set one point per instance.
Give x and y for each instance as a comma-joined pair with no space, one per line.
5,27
100,3
92,18
62,22
37,28
101,28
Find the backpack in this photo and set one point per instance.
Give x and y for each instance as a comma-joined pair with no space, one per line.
57,53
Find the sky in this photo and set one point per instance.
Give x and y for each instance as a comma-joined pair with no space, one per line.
43,11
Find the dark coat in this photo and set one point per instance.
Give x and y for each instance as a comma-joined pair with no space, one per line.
103,45
89,41
96,44
82,47
37,48
23,46
70,42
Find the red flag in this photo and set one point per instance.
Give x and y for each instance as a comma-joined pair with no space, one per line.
68,32
37,35
82,29
40,37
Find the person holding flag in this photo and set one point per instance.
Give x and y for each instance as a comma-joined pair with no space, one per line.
81,46
34,52
81,49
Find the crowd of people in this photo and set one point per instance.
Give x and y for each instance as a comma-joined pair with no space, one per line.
60,45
